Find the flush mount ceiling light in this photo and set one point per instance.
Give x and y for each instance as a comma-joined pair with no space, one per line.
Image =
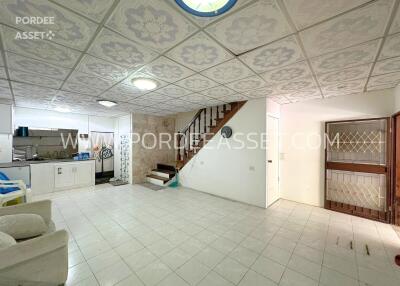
206,8
144,83
62,109
107,103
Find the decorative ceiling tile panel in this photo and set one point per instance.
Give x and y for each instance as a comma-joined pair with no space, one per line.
17,62
395,28
280,99
391,47
82,88
273,56
218,92
233,98
295,85
3,73
304,95
89,80
228,72
288,73
196,83
381,87
116,96
143,101
352,28
32,91
114,48
101,68
167,70
39,49
199,53
152,23
93,9
1,58
345,75
129,80
68,28
32,102
390,78
34,78
344,88
259,93
362,54
252,27
5,92
387,66
156,97
308,12
174,91
126,89
253,82
196,98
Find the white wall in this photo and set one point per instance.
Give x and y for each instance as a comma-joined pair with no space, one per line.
302,124
5,148
234,174
182,119
397,98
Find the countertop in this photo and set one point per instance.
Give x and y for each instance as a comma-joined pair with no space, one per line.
28,163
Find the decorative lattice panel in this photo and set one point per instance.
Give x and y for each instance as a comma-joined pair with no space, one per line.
357,142
358,189
124,154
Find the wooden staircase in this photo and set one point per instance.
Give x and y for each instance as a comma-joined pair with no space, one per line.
202,128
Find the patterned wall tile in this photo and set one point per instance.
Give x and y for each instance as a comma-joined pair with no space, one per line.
101,68
391,47
174,91
5,92
17,62
34,78
38,49
345,75
252,27
358,55
390,78
228,72
93,9
3,73
32,91
288,73
395,28
308,12
151,23
89,80
128,81
275,55
387,66
199,53
343,88
218,92
196,83
259,93
253,82
114,48
69,29
167,70
352,28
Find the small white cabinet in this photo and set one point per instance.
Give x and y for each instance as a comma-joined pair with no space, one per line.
42,178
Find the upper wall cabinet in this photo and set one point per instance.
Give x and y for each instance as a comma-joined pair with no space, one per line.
5,119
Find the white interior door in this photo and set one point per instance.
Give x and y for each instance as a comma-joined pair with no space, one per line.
272,160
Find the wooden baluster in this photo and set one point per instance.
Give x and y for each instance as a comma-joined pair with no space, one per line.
199,131
205,119
223,110
210,117
217,112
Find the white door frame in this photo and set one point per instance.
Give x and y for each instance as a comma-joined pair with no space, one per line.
278,161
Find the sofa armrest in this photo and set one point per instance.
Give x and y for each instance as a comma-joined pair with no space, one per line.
42,208
32,248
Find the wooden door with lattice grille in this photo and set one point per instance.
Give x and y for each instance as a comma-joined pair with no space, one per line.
396,171
357,168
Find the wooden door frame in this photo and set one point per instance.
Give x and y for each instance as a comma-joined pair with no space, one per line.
395,218
362,212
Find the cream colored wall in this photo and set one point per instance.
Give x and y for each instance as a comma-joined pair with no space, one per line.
302,164
182,119
144,160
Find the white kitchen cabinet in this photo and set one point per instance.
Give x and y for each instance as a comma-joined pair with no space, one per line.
6,119
42,178
74,175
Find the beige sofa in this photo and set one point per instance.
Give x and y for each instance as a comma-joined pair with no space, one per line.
38,261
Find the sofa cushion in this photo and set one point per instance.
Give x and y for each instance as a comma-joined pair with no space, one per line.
6,240
22,226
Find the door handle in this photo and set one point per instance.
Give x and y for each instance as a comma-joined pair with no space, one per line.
59,171
270,161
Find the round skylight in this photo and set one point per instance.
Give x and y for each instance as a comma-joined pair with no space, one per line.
206,8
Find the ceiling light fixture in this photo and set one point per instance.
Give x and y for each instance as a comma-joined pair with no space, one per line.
144,83
107,103
62,109
206,8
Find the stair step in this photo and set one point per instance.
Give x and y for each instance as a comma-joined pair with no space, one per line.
165,167
163,173
156,180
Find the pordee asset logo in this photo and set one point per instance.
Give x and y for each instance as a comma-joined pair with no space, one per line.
34,35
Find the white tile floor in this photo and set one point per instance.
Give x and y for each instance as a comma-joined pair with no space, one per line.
132,236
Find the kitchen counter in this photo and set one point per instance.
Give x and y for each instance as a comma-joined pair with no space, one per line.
28,163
